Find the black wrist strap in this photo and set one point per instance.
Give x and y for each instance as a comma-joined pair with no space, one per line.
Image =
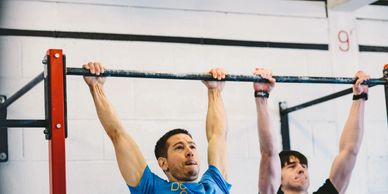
361,96
260,93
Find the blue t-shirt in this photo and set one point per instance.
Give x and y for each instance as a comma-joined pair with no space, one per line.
212,182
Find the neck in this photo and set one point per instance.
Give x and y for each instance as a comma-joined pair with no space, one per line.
173,179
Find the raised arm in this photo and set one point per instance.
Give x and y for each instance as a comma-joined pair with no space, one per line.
129,158
351,138
216,127
269,171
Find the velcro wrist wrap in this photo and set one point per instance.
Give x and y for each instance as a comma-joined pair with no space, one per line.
361,96
262,94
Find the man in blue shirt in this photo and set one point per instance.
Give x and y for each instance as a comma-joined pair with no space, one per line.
292,174
176,151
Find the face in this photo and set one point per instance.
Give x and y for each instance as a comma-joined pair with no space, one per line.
295,176
182,162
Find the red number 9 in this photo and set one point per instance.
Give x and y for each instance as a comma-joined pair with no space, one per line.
343,38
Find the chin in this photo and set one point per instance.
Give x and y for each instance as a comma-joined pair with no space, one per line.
303,187
192,175
192,179
189,178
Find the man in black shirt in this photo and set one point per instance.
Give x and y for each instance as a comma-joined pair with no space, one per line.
293,175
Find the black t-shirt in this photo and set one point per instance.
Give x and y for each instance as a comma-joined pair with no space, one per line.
327,188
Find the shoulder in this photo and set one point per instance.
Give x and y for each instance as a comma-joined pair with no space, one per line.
148,182
213,176
212,171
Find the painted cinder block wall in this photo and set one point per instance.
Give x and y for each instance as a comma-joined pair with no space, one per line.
151,107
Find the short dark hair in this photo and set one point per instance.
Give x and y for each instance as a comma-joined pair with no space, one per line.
285,156
161,145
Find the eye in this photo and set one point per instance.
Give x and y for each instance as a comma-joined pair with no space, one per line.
291,166
193,147
178,147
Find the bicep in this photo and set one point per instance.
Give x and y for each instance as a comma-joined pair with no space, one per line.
341,170
269,174
217,155
130,160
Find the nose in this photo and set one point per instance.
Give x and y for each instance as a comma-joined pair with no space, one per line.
189,152
300,169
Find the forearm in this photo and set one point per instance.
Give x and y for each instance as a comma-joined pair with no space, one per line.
353,131
216,116
106,113
267,136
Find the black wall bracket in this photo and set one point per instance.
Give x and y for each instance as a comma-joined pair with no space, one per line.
284,126
3,133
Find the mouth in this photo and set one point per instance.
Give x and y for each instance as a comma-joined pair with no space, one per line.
300,178
190,163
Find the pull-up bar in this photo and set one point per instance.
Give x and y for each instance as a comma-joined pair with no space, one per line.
228,77
193,76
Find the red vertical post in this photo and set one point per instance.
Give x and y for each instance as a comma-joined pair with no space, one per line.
385,76
56,114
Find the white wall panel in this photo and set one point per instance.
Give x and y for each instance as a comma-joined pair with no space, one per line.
373,33
15,143
29,15
85,177
373,12
11,54
22,177
85,140
35,145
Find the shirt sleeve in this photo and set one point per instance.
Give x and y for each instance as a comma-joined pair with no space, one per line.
213,176
146,184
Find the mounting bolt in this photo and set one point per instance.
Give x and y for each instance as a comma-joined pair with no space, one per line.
2,99
283,105
58,126
56,55
45,60
3,156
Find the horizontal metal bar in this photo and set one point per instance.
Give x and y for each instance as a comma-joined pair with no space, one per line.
23,123
318,100
162,39
367,48
22,91
229,77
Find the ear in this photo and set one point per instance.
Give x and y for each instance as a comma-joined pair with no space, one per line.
163,164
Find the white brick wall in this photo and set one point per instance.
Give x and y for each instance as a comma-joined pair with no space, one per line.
151,107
